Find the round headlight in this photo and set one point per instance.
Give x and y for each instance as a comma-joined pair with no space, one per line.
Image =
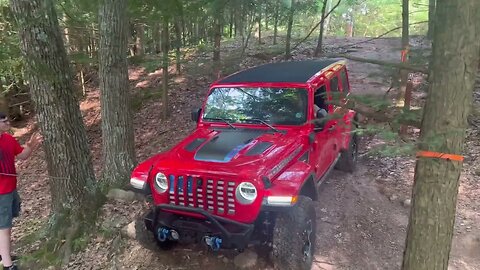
246,193
161,183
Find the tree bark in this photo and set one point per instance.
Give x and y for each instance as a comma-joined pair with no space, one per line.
72,181
431,18
178,44
140,39
259,24
230,27
165,64
453,69
117,125
275,22
217,36
156,38
404,56
318,49
289,30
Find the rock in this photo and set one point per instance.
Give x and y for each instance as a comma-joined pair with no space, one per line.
246,259
129,230
407,203
393,197
120,194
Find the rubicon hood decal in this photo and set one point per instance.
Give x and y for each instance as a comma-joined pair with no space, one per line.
226,144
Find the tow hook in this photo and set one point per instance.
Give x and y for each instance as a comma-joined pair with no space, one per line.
213,242
163,234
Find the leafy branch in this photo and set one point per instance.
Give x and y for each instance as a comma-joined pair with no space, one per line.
317,25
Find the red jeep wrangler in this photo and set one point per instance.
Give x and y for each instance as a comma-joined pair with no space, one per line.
266,138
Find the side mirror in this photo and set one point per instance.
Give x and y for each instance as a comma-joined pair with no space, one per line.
196,114
320,118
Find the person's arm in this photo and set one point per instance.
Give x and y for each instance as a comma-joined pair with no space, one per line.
29,147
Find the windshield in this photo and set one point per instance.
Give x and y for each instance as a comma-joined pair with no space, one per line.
282,106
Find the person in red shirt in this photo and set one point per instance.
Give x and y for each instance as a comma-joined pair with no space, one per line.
9,198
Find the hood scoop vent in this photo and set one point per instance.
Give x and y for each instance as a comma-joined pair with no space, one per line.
225,145
258,148
194,145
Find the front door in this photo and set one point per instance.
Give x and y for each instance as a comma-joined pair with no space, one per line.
323,145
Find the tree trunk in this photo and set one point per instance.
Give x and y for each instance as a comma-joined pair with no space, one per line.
165,49
66,32
217,32
230,27
140,39
259,25
72,181
453,69
319,48
404,55
289,30
178,44
156,38
241,22
275,23
183,30
117,125
327,19
431,18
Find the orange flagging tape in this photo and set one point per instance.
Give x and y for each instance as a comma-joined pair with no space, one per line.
429,154
404,55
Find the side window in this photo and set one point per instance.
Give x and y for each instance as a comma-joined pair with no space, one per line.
343,77
334,84
335,90
320,98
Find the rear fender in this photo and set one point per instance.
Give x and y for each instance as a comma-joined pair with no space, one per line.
349,119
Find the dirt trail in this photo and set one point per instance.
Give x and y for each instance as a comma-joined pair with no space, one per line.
362,218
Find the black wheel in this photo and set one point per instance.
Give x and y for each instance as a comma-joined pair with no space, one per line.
348,158
294,234
143,236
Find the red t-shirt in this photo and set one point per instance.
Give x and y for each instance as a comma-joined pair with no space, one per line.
9,148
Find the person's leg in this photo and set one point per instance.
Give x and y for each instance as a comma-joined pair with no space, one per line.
6,209
5,246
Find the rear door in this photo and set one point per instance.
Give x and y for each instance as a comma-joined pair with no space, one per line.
344,87
334,129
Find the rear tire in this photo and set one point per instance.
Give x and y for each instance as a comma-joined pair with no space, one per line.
294,235
348,158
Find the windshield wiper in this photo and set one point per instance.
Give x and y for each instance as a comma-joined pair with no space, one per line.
220,119
261,121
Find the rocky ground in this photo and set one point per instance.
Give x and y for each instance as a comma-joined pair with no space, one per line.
362,217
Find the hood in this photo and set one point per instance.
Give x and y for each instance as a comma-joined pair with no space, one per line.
232,151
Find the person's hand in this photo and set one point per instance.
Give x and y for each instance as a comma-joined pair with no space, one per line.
34,140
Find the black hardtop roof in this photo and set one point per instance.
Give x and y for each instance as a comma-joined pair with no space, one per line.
281,72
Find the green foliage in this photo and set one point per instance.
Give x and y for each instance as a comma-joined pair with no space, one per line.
375,17
11,63
80,243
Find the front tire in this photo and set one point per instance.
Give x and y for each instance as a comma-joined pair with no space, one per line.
294,235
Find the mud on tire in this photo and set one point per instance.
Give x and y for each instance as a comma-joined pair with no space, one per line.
348,158
294,234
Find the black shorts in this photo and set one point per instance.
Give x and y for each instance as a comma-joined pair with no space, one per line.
9,208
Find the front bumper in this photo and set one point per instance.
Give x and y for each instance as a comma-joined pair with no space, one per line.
234,234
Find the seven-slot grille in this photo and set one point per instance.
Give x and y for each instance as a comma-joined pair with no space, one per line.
216,196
